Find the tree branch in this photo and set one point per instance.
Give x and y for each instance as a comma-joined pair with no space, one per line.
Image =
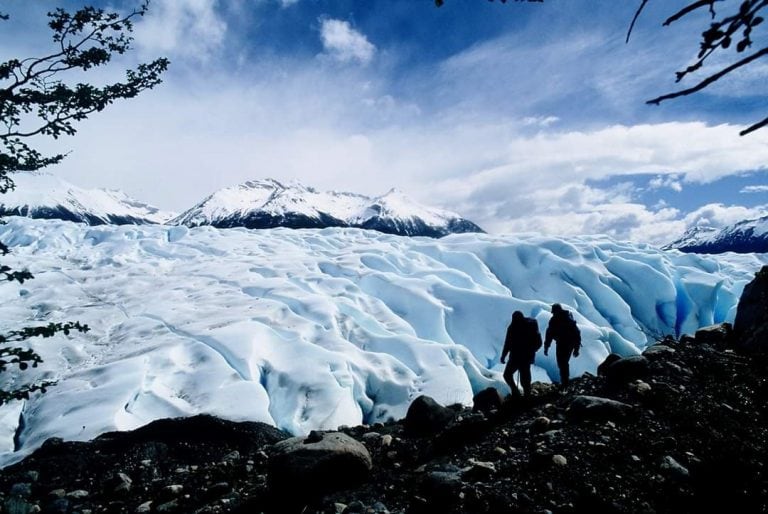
754,127
712,78
634,19
690,8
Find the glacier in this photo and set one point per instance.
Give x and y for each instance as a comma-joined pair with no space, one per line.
313,329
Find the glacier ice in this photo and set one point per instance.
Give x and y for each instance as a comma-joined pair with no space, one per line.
312,329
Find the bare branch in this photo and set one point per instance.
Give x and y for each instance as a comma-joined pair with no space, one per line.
690,8
712,78
754,127
634,19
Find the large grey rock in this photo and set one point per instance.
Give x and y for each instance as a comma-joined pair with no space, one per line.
658,351
487,400
16,505
717,335
317,463
751,325
441,488
425,416
627,369
595,408
610,359
674,468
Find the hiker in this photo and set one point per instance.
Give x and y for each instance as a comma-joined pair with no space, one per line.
522,342
563,330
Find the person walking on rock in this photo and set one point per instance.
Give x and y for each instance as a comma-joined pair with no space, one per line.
521,344
563,330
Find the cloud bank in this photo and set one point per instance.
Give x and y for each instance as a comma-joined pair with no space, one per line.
517,131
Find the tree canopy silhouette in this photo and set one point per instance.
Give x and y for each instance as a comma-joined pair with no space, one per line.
36,99
732,28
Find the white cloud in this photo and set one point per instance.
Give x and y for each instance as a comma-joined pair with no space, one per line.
346,128
181,28
288,3
325,131
343,43
718,215
672,182
755,189
540,121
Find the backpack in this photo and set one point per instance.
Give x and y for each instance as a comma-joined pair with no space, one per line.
571,331
533,336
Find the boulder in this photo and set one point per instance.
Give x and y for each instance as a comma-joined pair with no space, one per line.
487,400
425,416
441,488
318,463
612,357
120,483
463,431
595,408
716,335
657,351
750,328
627,369
673,468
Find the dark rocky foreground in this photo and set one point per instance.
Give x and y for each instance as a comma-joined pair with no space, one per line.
683,428
686,431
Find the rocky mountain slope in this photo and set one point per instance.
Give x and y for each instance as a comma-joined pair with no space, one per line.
44,196
269,204
682,428
748,236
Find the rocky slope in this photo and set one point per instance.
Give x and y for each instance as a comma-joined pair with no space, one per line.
682,428
690,433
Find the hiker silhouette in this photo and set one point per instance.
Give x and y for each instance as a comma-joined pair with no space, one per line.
521,344
563,330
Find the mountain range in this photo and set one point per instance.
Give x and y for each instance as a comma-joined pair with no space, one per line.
254,205
748,236
45,196
269,203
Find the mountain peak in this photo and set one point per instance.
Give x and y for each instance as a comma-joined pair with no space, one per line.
746,236
268,203
40,194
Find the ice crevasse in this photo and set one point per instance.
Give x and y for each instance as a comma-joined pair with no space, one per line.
313,329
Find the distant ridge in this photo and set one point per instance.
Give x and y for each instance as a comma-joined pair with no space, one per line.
268,204
44,196
748,236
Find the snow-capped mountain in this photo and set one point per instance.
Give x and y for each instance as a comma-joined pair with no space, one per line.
307,332
42,195
269,203
748,236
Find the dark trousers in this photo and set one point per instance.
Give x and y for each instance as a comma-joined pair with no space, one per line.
563,353
525,377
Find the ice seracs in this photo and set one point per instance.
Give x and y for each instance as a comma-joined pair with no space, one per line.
312,329
42,195
269,203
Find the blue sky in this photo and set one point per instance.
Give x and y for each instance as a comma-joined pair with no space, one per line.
520,116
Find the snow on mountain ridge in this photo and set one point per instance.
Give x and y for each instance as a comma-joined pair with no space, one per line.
308,329
39,194
268,203
745,236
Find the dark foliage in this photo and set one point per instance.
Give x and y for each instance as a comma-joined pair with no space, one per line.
36,100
